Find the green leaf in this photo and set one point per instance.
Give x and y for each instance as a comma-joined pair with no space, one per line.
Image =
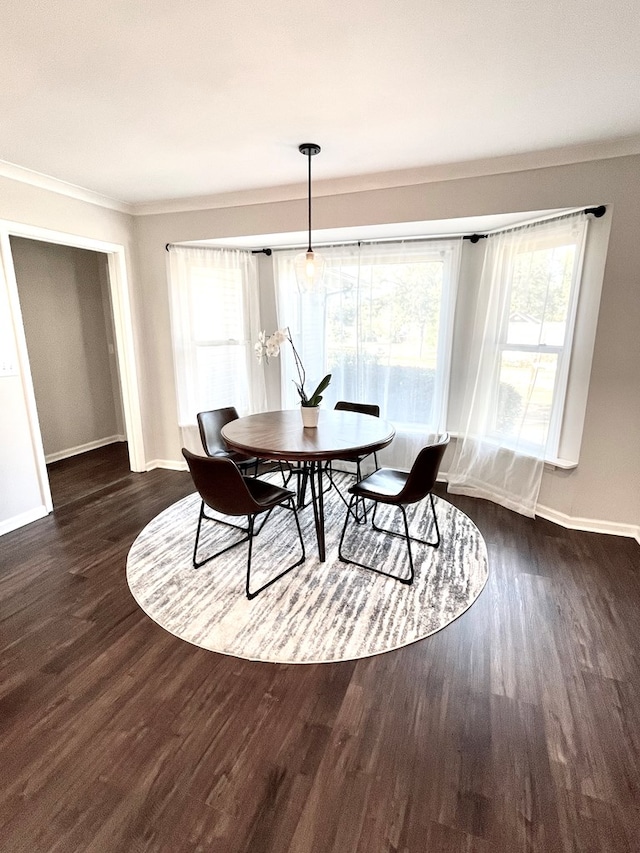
314,399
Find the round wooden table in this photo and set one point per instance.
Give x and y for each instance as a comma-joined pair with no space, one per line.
280,436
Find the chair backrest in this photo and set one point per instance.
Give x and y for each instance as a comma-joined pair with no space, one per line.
424,471
363,408
220,484
210,424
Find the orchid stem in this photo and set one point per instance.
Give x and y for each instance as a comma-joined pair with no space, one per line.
299,365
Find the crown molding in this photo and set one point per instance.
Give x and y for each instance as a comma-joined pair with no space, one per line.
55,185
531,160
399,178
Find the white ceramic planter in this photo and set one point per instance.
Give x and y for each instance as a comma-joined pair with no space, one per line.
310,415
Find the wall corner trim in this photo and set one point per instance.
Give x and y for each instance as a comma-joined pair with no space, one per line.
23,518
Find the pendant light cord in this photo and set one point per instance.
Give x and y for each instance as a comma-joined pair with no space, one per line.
309,197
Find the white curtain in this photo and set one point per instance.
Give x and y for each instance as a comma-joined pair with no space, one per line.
518,360
215,323
382,326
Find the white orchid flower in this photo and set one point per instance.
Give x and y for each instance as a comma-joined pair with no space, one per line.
273,348
269,347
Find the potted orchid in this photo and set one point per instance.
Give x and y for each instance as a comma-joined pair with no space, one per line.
269,347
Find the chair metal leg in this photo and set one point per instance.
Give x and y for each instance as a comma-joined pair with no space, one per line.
406,536
198,563
328,468
329,472
303,476
245,466
435,544
362,501
195,547
408,580
360,513
252,594
251,534
271,468
286,479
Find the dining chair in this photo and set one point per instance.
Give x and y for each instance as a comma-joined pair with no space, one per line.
223,488
209,424
399,488
363,409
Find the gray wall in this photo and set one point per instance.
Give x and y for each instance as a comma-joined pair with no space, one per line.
66,313
605,485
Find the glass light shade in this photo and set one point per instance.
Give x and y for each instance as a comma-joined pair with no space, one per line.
309,268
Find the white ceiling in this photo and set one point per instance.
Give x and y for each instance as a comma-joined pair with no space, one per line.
143,102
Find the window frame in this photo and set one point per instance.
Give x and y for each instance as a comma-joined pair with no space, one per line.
564,352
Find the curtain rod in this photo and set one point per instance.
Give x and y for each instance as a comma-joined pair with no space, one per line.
597,212
266,252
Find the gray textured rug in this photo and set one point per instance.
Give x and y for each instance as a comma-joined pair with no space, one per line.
319,612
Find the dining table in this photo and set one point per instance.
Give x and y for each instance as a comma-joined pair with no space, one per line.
280,436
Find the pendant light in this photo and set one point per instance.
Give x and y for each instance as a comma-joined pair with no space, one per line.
309,265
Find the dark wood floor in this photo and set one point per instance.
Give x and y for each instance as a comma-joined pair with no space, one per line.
517,728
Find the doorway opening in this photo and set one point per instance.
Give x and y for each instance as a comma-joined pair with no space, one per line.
67,316
119,368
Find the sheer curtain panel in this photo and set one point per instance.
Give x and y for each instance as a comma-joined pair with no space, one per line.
518,361
382,326
215,323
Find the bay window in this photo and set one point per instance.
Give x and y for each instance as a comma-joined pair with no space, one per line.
509,377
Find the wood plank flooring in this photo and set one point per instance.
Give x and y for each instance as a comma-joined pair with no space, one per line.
516,728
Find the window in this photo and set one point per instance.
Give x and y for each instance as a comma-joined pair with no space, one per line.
540,275
518,362
214,325
382,327
218,354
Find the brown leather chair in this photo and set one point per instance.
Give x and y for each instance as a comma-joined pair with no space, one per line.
223,488
210,423
364,409
400,488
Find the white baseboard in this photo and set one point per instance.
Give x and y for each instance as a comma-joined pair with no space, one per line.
589,525
169,464
83,448
16,521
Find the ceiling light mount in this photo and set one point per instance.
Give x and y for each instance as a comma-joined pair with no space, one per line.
309,149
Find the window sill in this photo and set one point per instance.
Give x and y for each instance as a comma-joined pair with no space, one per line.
564,464
549,464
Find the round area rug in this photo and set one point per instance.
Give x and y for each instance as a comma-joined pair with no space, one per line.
319,612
